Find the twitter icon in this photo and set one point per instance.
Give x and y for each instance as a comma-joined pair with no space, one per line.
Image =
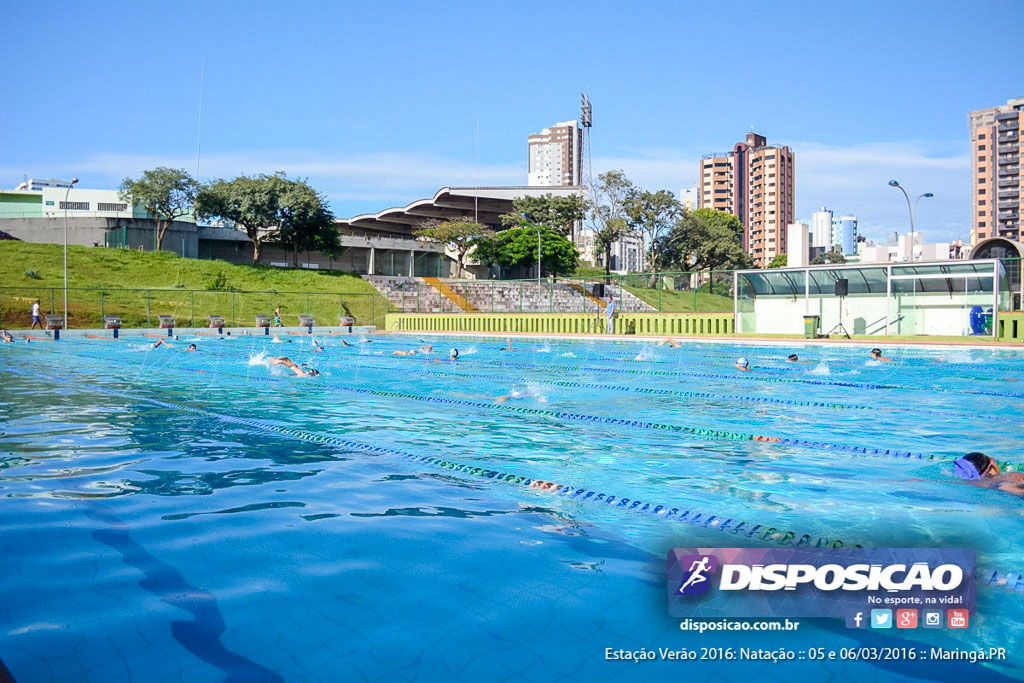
881,618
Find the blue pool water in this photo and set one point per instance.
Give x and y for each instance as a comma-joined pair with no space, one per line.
202,516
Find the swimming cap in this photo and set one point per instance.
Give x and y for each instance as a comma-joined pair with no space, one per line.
972,465
965,469
454,352
742,362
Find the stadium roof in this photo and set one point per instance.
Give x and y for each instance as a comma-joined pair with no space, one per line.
481,204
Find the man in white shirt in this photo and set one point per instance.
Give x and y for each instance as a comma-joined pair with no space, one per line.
36,316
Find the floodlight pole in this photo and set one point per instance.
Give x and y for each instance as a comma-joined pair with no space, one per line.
73,181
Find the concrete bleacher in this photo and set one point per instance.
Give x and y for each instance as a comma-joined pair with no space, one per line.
411,295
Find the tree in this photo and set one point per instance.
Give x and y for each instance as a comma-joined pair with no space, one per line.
653,214
307,224
607,208
460,236
517,247
557,213
166,193
704,239
271,208
779,261
828,257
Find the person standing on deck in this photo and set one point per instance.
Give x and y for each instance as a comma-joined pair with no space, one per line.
609,311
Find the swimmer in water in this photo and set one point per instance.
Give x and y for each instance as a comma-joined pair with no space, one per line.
876,354
743,364
508,345
161,342
344,343
8,339
290,364
792,358
981,470
669,341
191,347
410,352
277,340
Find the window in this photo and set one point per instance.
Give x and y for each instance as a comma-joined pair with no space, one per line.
982,190
981,148
981,158
981,169
103,206
74,206
981,224
981,202
981,136
981,213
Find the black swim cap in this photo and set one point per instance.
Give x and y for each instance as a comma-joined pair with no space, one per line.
876,352
792,356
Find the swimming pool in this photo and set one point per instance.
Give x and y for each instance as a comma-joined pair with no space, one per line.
203,516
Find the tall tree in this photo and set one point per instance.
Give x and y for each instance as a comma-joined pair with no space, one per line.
271,208
166,193
779,261
829,257
704,239
517,247
653,214
607,209
557,213
307,224
459,236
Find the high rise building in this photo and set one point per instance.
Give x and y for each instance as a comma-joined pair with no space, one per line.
844,234
556,155
996,150
821,228
755,183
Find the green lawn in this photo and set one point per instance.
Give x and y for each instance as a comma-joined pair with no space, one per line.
134,283
669,300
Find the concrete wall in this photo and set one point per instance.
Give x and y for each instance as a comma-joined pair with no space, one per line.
89,232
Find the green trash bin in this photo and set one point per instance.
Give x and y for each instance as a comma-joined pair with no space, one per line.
812,323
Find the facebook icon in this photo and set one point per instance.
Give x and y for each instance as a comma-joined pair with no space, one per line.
855,619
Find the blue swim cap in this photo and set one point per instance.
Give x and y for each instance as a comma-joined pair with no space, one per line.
965,469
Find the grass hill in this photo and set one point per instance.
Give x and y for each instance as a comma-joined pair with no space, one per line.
134,283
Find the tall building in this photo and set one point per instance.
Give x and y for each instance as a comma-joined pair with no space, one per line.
844,234
821,228
35,184
755,183
996,149
556,155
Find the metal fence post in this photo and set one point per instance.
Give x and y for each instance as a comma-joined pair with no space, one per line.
307,303
232,308
51,299
101,306
192,314
659,292
551,295
148,321
492,296
373,310
520,296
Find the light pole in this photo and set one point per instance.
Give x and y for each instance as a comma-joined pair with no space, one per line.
73,181
538,258
912,210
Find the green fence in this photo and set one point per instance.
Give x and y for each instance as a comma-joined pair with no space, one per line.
676,324
189,307
676,292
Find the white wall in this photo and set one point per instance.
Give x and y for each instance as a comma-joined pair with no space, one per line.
53,196
935,314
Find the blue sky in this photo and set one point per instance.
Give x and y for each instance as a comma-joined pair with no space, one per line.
378,104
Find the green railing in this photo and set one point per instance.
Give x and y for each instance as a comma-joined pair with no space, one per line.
675,324
675,292
189,307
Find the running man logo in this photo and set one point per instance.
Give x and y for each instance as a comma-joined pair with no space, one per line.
695,580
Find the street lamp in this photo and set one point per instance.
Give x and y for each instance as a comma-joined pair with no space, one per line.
538,258
911,209
73,181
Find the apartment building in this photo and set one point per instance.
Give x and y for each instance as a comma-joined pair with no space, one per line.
556,156
755,183
996,149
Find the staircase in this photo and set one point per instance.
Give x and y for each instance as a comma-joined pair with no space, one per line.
431,295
